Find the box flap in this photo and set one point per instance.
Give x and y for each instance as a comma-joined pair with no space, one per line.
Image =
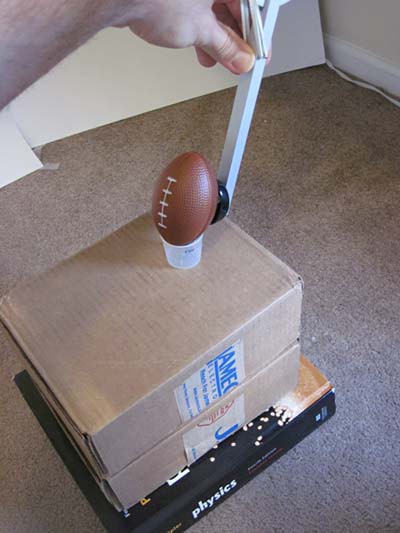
311,386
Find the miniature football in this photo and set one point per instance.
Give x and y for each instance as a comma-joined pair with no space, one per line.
185,199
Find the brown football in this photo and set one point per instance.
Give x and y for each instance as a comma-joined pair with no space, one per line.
185,199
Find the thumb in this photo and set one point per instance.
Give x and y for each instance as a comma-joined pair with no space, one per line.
226,47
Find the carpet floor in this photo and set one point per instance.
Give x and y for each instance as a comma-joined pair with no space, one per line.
320,188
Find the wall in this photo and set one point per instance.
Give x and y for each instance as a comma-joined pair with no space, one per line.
116,75
363,37
369,24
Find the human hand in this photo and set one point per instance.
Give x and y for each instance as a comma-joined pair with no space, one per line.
211,26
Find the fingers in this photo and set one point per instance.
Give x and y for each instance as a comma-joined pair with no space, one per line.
225,46
224,15
234,8
204,59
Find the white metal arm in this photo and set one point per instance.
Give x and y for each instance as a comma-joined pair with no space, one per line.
246,94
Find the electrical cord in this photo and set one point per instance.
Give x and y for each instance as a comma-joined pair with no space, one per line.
362,84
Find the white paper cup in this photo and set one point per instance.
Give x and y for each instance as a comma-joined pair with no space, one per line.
184,257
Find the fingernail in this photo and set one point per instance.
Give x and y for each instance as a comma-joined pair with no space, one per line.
243,62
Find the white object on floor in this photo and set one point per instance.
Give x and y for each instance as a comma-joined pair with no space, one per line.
16,156
363,84
363,64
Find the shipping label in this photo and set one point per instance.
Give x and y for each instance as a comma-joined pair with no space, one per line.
211,382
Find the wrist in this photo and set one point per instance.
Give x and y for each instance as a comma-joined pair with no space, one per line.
118,12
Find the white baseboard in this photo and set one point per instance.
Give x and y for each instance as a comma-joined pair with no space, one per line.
363,64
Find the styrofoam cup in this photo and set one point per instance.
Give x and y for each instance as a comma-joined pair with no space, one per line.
184,257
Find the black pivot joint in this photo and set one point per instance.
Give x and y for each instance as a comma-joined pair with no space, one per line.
223,204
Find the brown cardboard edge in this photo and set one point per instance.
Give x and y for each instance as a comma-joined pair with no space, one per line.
106,484
105,487
200,358
306,366
80,441
304,363
20,286
65,428
296,277
29,364
9,316
188,424
90,440
189,369
57,409
231,395
90,449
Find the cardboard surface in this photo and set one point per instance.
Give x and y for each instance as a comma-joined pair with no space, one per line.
162,462
114,333
312,384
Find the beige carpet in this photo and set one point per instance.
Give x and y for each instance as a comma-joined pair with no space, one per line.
320,187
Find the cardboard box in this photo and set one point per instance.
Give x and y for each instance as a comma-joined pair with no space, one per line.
197,490
130,349
196,437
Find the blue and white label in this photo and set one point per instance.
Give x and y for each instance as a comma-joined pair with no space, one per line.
214,428
215,379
